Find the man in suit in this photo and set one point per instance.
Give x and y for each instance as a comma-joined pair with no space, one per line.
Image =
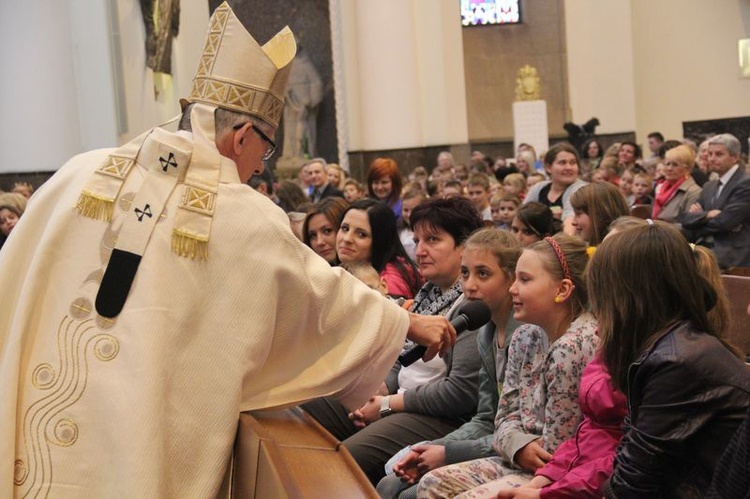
722,212
321,189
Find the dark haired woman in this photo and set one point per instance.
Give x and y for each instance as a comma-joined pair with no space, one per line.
591,155
368,233
425,400
561,164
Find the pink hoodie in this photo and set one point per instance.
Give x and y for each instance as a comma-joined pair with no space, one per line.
581,464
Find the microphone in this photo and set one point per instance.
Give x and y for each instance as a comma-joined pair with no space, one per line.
472,315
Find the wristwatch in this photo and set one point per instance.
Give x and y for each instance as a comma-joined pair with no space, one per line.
385,407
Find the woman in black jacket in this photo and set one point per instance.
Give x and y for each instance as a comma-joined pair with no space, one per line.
687,390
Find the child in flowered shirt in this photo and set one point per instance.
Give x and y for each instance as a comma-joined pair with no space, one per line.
538,406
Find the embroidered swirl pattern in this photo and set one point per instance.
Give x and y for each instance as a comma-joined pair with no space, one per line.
78,343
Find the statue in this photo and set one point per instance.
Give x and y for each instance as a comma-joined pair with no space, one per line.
527,84
162,20
303,95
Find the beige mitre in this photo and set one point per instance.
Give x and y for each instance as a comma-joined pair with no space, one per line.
234,73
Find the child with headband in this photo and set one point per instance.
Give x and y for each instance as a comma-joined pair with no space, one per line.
582,464
538,406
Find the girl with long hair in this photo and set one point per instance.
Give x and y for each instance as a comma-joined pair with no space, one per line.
321,226
596,206
538,407
688,391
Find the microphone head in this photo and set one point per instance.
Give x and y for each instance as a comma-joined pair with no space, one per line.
477,314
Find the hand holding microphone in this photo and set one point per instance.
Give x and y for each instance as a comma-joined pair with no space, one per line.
472,315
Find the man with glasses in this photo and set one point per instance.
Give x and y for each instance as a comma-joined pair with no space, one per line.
150,296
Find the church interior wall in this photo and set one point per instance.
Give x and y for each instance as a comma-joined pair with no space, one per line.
686,63
494,54
638,66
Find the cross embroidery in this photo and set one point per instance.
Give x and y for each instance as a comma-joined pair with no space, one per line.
145,211
166,163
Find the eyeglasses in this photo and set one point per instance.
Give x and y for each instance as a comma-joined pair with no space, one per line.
271,150
671,164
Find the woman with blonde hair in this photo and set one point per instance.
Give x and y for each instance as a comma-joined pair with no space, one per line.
525,162
12,206
678,190
336,176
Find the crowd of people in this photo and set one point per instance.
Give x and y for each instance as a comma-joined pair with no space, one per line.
143,312
539,402
699,189
552,412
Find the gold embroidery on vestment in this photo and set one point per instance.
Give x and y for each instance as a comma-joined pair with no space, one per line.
199,200
66,433
189,245
80,308
78,342
43,376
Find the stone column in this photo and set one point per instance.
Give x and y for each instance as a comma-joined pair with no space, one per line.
403,73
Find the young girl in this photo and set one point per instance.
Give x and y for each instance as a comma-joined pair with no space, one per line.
515,184
580,465
625,185
595,207
488,263
533,222
538,408
411,199
503,208
687,391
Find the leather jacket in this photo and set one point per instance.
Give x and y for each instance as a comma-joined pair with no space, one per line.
687,394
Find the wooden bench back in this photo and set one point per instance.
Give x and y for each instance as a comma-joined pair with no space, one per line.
287,454
738,291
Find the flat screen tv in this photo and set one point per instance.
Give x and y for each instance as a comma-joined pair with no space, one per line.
485,12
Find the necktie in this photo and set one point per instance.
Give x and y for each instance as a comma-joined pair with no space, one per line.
718,191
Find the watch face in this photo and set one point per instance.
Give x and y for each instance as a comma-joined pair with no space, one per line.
385,407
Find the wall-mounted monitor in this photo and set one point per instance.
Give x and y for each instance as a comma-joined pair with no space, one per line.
484,12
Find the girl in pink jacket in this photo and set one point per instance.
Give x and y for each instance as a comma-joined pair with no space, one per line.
581,464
